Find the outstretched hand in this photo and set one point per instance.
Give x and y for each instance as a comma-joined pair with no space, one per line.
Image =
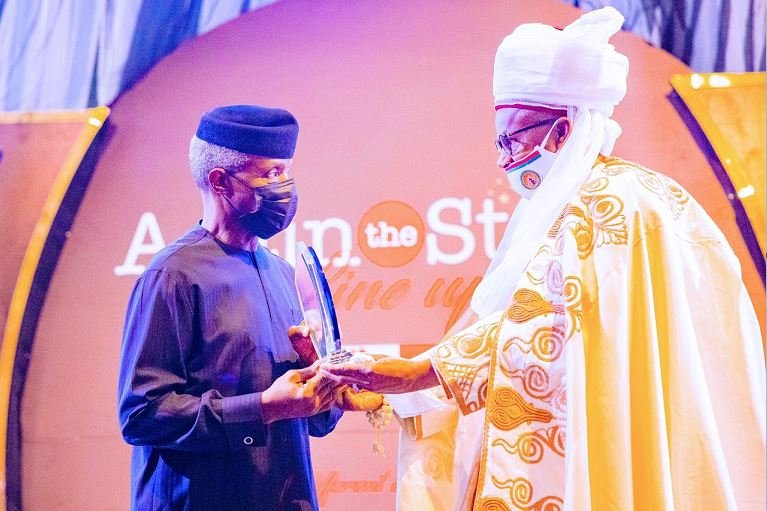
387,375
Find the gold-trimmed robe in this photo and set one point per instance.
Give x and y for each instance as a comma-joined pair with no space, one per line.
627,372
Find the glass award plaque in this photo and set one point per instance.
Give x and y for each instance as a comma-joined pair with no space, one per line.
320,317
317,306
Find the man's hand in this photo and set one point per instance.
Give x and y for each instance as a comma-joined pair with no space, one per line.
351,400
298,393
302,344
387,375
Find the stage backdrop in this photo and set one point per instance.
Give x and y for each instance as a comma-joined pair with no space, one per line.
399,195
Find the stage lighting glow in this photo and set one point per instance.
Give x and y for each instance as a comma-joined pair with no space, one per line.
719,81
746,191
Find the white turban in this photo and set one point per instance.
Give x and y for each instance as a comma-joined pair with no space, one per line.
574,69
571,67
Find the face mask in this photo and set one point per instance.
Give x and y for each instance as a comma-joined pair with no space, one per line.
277,204
527,174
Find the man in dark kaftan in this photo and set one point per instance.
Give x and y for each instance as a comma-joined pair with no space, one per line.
211,393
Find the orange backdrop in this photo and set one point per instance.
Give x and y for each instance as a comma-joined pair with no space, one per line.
398,194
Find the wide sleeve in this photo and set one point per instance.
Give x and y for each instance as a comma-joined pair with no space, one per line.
155,405
462,362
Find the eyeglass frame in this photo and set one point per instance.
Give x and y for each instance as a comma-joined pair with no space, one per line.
252,188
506,135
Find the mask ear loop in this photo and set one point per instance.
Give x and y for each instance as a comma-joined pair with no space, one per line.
570,116
242,214
542,145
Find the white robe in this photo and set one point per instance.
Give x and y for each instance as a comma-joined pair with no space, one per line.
626,373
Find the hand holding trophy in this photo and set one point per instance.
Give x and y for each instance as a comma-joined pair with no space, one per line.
317,307
319,338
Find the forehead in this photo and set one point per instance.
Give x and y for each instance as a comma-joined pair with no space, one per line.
514,118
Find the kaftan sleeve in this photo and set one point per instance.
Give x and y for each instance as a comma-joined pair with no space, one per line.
155,405
325,422
462,362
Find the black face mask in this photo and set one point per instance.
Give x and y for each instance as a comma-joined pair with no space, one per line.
276,206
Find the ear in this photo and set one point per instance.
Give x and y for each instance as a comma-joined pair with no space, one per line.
562,132
217,180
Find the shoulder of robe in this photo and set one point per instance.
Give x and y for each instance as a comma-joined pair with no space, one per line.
648,199
641,191
179,257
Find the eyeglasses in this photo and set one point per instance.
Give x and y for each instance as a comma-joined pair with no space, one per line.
231,174
269,179
506,142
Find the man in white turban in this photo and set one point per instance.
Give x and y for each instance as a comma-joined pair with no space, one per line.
617,362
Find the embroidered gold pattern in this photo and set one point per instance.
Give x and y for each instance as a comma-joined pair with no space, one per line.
527,304
547,343
607,218
527,397
573,289
668,190
602,223
595,185
555,283
463,378
508,409
568,210
521,495
531,446
535,380
471,344
492,504
474,345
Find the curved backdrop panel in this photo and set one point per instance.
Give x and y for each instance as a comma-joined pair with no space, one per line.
49,158
399,195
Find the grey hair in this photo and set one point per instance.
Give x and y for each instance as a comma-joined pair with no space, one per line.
204,157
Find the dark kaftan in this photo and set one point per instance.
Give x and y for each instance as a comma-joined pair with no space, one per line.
195,359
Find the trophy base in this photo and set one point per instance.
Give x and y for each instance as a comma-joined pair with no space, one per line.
339,356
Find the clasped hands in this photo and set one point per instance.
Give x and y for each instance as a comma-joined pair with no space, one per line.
311,390
374,373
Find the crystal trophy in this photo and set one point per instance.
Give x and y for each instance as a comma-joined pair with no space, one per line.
320,317
317,306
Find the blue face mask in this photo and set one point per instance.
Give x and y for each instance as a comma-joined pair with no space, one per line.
276,206
527,174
